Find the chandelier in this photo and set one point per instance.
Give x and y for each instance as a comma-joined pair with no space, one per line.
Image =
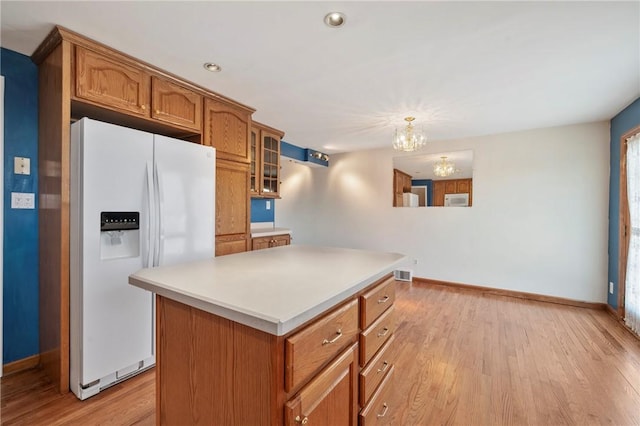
408,139
444,168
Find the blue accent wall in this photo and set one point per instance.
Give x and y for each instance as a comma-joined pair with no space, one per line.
292,151
429,184
259,212
20,297
626,120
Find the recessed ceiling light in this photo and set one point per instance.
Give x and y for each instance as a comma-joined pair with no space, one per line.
334,19
209,66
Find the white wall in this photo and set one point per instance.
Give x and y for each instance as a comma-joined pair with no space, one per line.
538,222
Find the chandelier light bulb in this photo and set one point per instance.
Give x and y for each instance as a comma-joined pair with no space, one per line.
408,139
444,168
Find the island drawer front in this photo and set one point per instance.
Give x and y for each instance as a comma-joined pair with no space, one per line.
378,410
307,351
374,337
376,370
376,301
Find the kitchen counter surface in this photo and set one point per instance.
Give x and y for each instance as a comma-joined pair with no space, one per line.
274,290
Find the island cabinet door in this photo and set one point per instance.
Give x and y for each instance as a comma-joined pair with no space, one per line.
330,397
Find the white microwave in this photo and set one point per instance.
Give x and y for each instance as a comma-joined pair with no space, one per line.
456,200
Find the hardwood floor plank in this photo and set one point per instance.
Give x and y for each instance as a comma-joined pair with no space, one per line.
462,358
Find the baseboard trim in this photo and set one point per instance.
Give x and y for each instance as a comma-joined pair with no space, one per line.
614,312
21,364
512,293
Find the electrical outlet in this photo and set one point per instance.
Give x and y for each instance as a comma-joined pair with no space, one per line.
22,200
21,165
610,287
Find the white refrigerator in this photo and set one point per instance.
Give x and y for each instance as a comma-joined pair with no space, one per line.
138,200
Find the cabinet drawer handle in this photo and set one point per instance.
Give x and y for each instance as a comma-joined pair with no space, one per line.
383,300
143,107
302,421
385,407
385,365
335,339
383,332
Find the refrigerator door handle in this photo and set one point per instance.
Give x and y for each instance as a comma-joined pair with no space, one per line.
159,249
151,228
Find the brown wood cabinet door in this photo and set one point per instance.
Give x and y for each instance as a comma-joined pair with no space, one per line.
232,200
330,398
254,155
175,104
281,240
449,186
260,243
230,244
438,193
227,129
463,186
110,83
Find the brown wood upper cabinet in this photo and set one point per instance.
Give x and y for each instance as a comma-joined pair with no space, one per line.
110,83
175,104
265,161
226,128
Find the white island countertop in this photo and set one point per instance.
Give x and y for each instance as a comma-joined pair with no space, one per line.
273,290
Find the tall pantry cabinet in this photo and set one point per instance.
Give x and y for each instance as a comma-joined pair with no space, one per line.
227,129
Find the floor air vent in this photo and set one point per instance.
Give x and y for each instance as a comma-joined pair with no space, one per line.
403,274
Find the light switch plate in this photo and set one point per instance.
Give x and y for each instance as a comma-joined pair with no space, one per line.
22,165
268,204
22,200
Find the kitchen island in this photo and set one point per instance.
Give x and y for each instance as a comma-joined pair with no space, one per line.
273,336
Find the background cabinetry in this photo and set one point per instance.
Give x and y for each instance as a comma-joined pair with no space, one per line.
79,77
401,184
265,161
260,243
232,207
451,186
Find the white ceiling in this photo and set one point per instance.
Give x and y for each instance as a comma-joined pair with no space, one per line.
461,68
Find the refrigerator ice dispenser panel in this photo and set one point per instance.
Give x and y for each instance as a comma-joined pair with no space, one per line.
119,235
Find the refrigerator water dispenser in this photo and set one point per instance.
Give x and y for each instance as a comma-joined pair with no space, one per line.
119,235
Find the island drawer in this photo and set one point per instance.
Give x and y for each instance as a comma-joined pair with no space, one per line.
308,350
376,301
373,373
374,337
378,410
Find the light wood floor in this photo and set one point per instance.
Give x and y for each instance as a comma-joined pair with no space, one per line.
464,358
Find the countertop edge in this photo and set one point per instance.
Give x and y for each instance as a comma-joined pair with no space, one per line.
268,325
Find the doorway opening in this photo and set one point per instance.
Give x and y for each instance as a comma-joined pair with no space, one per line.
629,232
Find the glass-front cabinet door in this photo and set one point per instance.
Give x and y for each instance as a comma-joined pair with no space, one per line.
265,161
255,162
270,165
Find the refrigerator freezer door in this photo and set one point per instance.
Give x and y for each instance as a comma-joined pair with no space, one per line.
111,321
185,174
